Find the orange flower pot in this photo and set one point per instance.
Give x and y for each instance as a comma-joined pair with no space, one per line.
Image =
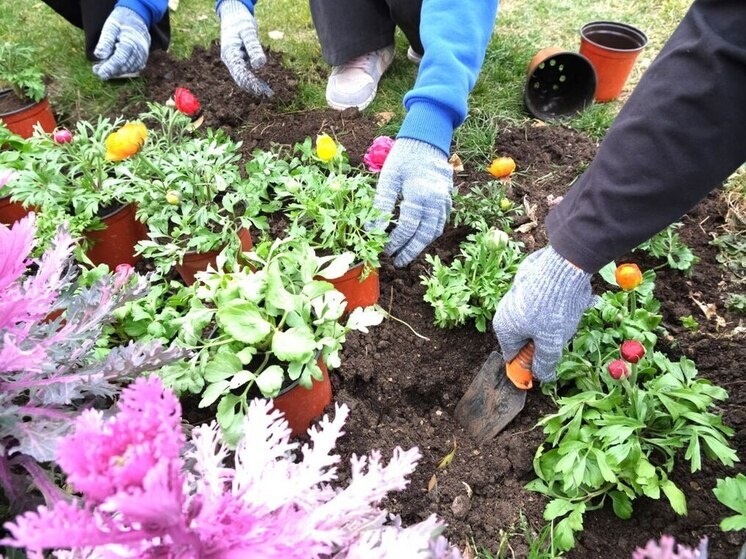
302,405
115,244
10,212
358,293
199,261
22,121
612,48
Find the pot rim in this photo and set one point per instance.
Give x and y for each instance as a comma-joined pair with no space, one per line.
24,108
639,33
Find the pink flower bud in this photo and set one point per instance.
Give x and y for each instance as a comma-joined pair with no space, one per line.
377,153
632,351
618,369
122,273
62,136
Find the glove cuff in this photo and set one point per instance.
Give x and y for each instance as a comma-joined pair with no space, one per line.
137,8
419,148
228,8
429,123
568,284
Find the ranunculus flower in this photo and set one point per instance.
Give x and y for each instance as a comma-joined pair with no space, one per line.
186,102
326,147
126,141
632,351
618,369
377,153
501,167
62,136
173,197
496,239
628,276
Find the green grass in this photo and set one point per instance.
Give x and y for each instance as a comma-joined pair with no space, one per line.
533,544
522,29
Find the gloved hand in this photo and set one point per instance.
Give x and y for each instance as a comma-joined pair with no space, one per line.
123,46
240,49
422,175
545,303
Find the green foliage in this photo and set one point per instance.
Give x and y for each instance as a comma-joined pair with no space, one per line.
472,285
20,71
690,323
732,255
731,492
736,302
190,191
254,333
667,244
485,206
328,204
612,441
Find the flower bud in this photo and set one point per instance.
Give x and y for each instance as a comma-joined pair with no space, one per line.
122,273
618,369
505,204
496,239
628,276
62,136
632,351
501,167
326,148
173,197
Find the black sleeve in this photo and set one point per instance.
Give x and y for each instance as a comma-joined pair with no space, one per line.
681,133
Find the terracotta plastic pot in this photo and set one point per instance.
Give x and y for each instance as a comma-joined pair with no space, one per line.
358,293
10,212
115,244
199,261
22,121
559,84
302,405
612,48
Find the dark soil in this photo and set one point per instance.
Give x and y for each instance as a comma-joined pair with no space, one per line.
403,387
11,103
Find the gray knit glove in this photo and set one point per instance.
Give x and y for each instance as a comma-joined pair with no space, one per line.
421,174
240,49
545,303
123,46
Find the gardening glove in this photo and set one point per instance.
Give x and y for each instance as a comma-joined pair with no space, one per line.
123,46
421,174
545,303
240,49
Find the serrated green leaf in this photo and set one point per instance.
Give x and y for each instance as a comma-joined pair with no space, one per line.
621,504
557,508
736,522
675,496
294,344
213,392
243,322
731,492
270,381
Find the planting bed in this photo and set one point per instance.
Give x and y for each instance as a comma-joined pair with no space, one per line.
402,388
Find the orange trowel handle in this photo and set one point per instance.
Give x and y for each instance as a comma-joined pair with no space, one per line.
519,368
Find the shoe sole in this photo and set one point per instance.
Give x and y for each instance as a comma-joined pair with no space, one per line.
360,107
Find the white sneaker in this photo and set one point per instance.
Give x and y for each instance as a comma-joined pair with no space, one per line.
413,56
355,83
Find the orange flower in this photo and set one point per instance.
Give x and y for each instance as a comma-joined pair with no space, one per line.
501,167
126,141
628,276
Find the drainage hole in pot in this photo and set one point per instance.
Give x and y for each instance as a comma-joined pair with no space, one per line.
555,87
562,78
552,62
561,67
541,66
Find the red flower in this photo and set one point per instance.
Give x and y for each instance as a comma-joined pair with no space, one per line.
185,101
62,136
618,369
377,153
632,351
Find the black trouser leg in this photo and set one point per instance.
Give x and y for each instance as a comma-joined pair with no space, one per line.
90,16
349,28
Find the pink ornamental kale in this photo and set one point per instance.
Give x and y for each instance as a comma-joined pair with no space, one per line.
47,372
270,504
669,549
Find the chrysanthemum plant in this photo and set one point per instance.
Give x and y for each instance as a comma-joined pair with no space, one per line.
49,324
146,492
329,203
256,332
67,178
190,190
625,411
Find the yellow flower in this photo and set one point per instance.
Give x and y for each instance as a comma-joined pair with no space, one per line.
126,141
501,167
173,197
505,204
628,276
326,148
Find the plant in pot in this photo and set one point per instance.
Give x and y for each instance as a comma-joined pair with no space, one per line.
23,101
271,332
332,206
192,196
73,177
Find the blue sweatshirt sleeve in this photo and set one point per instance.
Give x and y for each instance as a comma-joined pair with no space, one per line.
455,37
152,11
248,3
